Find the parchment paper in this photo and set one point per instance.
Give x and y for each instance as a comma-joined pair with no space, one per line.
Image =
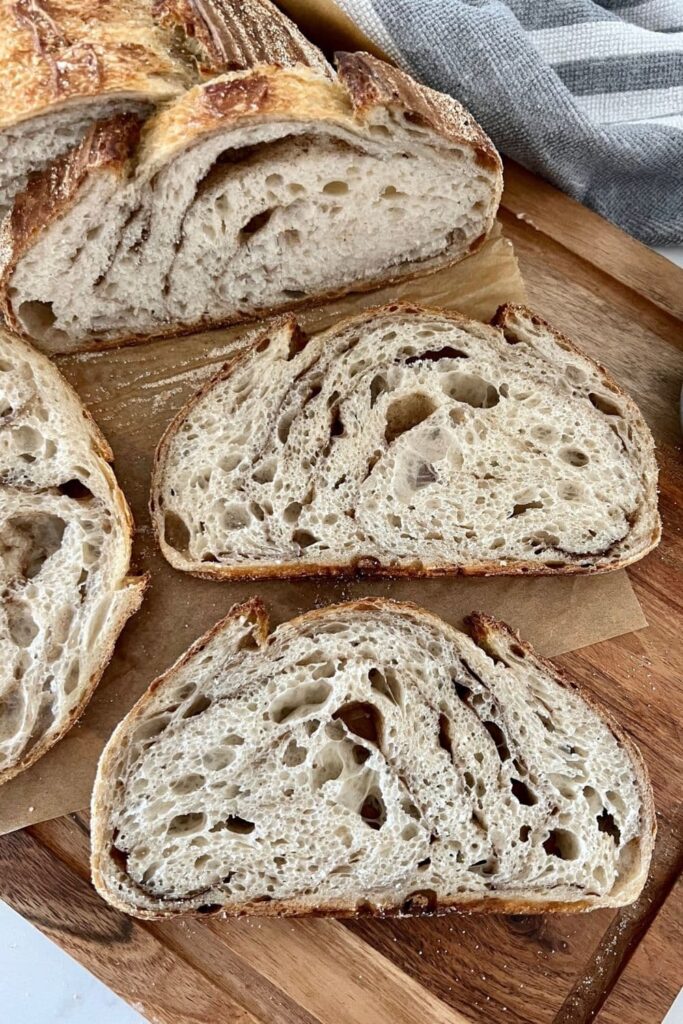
133,393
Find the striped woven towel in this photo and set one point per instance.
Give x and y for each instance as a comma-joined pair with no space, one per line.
587,94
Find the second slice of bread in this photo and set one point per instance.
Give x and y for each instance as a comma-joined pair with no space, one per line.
407,441
367,758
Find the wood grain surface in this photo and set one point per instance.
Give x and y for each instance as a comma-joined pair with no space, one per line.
618,300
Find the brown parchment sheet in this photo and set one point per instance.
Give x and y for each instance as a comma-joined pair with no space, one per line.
133,393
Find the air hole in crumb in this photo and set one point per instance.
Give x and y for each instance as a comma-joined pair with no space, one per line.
562,844
37,317
176,532
483,867
574,457
336,425
327,767
265,473
422,900
29,541
234,823
299,701
519,510
362,719
604,404
254,224
186,824
120,858
335,188
546,721
386,683
390,191
434,355
522,793
304,538
498,737
293,754
76,490
463,692
405,413
373,811
470,389
524,833
21,625
292,512
198,705
378,386
606,823
445,735
188,783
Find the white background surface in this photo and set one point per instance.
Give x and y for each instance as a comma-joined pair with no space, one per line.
39,984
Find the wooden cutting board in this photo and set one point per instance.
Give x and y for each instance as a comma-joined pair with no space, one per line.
624,304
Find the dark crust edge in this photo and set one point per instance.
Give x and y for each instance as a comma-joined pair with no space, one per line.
372,83
480,626
361,569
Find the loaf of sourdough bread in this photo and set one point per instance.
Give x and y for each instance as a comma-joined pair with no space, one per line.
65,545
407,441
65,65
367,758
258,191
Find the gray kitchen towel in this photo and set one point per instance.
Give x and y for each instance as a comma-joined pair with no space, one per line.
587,94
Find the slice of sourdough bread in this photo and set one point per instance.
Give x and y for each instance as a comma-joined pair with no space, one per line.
65,545
261,190
367,758
407,441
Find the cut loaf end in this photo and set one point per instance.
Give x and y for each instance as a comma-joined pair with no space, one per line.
260,191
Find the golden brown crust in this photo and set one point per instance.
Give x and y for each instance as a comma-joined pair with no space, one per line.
481,627
234,35
55,53
372,83
263,94
363,567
